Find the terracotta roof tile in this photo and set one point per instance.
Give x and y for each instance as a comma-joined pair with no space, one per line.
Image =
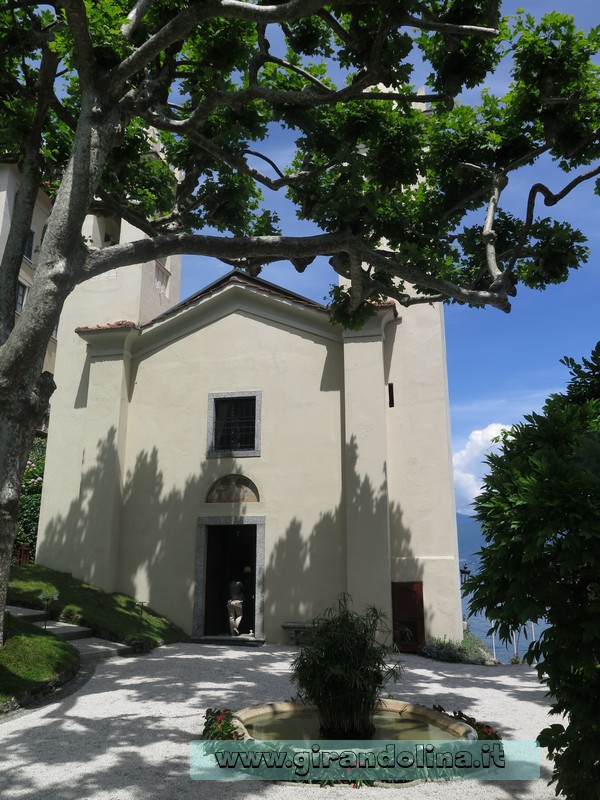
122,323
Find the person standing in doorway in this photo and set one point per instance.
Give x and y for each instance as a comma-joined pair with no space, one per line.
235,606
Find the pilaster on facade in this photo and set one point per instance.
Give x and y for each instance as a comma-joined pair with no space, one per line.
365,466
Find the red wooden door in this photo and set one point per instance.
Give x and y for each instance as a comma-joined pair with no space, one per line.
408,615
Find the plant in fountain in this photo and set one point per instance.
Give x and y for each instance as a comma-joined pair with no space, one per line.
343,668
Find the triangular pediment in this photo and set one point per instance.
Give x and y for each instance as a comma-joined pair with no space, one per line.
238,278
234,293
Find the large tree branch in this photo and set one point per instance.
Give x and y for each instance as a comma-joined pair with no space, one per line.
309,97
527,158
84,50
235,161
134,17
271,59
404,298
387,261
13,5
180,26
337,28
123,210
62,113
232,249
253,249
488,232
574,99
447,27
24,205
550,199
177,29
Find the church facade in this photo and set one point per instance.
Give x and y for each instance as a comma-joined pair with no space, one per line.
239,435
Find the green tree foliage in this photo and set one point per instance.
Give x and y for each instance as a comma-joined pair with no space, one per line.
31,496
540,514
217,85
343,669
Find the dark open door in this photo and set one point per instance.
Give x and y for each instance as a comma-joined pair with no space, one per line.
408,615
230,555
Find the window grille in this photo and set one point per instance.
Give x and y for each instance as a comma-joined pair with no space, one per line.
235,423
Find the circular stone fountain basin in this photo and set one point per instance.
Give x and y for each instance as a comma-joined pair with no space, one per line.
393,719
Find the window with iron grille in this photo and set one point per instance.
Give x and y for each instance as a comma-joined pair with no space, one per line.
234,424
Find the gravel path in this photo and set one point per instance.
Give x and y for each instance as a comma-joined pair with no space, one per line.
122,731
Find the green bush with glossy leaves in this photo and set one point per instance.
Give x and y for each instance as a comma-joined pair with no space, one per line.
540,514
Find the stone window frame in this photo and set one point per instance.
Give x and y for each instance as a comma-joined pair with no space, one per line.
210,449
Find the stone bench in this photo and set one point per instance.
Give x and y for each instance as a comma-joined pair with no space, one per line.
298,631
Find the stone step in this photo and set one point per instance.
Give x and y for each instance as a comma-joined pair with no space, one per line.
64,630
28,614
230,641
92,649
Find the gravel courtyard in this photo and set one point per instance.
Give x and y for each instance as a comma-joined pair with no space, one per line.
122,730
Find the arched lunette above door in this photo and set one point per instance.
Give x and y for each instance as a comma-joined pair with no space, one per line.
233,489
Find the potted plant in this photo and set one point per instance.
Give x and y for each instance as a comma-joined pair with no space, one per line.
343,668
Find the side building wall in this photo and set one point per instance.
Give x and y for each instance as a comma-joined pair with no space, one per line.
9,185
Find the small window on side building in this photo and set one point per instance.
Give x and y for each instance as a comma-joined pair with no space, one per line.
161,279
21,295
29,245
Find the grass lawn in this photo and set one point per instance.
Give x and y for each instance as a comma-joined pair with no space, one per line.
32,662
111,616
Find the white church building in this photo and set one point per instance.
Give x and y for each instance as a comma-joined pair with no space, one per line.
240,435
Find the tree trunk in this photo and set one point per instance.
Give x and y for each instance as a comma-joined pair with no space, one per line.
24,390
19,418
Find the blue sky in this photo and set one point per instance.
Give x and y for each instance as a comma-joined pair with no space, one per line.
500,366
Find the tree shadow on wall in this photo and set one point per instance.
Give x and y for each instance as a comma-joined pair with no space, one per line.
306,571
155,544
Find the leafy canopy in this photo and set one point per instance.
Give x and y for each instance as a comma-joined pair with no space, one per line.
316,100
344,667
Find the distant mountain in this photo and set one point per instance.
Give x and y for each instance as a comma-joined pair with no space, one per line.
470,539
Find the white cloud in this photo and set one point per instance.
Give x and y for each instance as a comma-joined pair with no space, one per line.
469,467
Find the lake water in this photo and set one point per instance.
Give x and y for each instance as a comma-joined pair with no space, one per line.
470,541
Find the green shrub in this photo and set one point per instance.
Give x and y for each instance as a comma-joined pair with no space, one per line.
218,724
31,496
470,651
540,514
343,668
